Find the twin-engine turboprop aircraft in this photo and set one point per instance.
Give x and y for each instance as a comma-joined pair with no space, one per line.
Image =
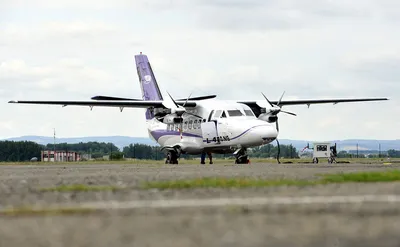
201,125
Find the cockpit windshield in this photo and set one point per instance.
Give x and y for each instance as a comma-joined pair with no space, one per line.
219,113
235,113
249,113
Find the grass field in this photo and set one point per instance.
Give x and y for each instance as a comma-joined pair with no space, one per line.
218,182
215,161
30,211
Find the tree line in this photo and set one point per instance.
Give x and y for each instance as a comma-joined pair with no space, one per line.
13,151
269,150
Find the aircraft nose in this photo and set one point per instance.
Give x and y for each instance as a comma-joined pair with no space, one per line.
266,133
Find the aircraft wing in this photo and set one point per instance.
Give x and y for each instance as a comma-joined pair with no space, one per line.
310,102
114,103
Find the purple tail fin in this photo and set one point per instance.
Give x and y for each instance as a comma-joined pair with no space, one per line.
148,82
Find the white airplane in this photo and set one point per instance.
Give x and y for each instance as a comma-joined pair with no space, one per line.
201,125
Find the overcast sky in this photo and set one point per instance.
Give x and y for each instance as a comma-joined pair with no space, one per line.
73,50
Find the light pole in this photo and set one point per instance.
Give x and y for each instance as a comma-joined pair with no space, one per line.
110,150
54,144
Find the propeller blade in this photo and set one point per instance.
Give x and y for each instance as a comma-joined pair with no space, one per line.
291,113
277,125
187,99
193,114
177,106
267,100
181,130
281,98
279,151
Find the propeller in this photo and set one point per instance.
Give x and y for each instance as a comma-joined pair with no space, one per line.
276,109
179,110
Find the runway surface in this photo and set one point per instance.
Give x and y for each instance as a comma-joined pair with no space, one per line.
354,214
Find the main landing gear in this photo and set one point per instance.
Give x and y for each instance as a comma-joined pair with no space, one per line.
241,156
172,157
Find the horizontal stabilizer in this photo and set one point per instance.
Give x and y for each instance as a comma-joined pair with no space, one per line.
113,98
118,98
200,97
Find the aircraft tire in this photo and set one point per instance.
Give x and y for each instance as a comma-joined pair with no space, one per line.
242,160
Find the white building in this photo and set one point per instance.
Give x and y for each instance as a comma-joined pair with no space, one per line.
59,156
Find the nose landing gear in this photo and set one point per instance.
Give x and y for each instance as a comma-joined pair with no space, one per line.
241,156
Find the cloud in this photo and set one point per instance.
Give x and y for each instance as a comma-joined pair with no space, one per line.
377,73
67,76
52,31
276,15
235,49
384,69
90,4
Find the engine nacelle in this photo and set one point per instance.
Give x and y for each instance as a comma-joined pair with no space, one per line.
172,119
268,117
160,112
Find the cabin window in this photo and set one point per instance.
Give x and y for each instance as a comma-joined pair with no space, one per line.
235,113
190,124
185,125
322,148
223,114
195,124
176,127
249,113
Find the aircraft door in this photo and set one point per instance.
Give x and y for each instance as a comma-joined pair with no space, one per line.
215,130
209,132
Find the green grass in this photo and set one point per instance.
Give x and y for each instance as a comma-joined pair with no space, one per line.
222,183
384,176
218,182
80,188
27,211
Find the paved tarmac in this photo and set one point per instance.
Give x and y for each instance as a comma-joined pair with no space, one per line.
323,215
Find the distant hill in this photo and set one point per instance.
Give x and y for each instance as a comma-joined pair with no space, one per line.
122,141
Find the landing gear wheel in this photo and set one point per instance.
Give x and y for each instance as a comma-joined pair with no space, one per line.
172,158
242,160
241,156
168,158
315,160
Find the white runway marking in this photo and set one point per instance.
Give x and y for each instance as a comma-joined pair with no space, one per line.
218,202
255,201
